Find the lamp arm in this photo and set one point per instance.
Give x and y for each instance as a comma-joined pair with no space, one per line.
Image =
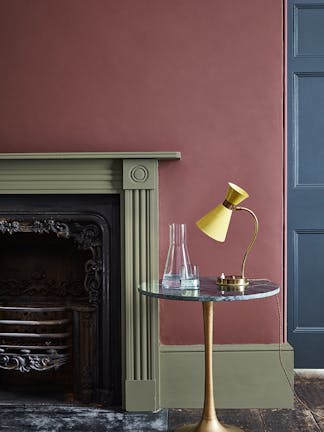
250,246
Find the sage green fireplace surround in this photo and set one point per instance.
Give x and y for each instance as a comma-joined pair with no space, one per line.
154,376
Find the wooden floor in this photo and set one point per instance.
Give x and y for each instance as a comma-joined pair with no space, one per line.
308,385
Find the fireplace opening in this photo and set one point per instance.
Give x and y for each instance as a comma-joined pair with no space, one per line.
60,331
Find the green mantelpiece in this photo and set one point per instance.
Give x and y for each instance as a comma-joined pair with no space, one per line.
135,177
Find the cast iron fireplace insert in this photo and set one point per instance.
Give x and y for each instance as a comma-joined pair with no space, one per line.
60,324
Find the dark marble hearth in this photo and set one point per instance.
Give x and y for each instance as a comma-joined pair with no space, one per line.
78,419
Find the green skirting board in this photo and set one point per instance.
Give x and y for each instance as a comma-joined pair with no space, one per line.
245,376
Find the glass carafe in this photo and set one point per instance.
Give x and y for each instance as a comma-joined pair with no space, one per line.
177,264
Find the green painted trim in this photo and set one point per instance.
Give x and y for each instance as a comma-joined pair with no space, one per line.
79,173
102,173
94,155
141,314
139,174
30,176
245,376
225,348
141,395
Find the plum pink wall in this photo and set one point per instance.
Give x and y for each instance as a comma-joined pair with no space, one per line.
201,77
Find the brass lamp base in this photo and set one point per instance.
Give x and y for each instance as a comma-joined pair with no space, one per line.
233,281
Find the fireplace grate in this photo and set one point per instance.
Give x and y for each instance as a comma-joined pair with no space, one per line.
34,338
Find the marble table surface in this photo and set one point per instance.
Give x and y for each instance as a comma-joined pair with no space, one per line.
210,291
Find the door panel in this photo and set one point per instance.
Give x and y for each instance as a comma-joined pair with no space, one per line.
309,302
305,185
309,23
309,94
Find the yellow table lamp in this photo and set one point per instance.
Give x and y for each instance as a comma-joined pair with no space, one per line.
216,222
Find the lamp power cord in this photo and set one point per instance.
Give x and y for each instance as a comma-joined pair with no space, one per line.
301,401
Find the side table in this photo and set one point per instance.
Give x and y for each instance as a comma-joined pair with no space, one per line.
209,293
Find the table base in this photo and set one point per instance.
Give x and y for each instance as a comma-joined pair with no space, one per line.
209,421
208,427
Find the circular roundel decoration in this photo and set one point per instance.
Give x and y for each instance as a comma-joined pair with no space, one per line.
139,174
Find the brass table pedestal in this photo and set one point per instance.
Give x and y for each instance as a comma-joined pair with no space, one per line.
207,294
209,421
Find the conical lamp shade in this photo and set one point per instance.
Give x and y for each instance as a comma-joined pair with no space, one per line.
215,223
235,194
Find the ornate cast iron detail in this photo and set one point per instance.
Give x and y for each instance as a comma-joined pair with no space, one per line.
40,285
86,237
26,362
9,227
89,237
38,227
47,226
92,281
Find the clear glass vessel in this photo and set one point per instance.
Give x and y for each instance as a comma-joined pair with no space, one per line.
178,271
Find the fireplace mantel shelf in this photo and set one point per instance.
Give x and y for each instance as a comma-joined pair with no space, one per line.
80,172
95,155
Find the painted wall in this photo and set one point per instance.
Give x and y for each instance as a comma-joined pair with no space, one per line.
201,77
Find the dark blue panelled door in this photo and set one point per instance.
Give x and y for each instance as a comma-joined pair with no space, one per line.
305,193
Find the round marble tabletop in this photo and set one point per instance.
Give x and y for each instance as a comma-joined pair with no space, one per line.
210,291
